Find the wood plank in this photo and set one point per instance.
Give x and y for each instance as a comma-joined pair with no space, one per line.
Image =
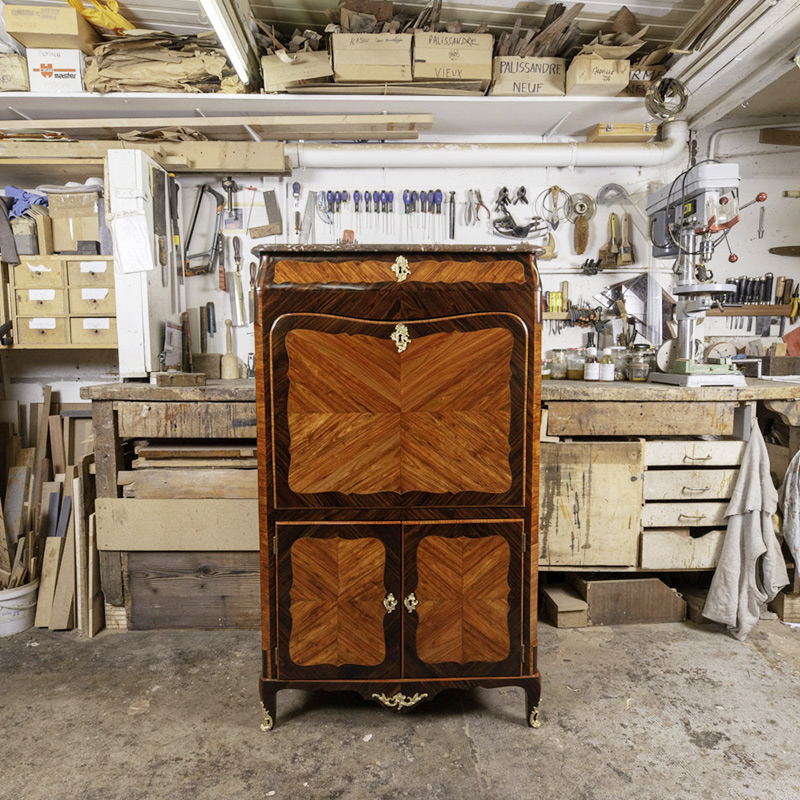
96,606
689,484
169,450
590,503
62,616
53,548
83,495
195,463
787,606
563,607
779,136
682,515
194,590
692,452
189,420
177,525
15,512
27,458
57,452
667,549
5,552
603,418
188,484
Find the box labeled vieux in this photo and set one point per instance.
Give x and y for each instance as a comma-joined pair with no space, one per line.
453,56
50,27
604,77
516,75
371,57
284,71
55,71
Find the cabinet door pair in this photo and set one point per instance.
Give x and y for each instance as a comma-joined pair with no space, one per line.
361,601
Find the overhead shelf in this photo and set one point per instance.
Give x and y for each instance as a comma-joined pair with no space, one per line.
462,117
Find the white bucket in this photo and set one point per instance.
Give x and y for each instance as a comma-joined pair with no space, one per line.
18,608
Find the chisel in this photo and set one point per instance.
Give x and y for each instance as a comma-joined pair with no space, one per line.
241,313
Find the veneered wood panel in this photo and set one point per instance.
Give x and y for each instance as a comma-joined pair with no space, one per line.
337,602
426,271
187,420
655,418
591,503
463,596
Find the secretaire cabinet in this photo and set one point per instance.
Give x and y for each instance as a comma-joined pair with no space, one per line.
398,398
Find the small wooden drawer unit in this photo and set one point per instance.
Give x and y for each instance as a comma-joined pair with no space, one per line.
63,302
397,395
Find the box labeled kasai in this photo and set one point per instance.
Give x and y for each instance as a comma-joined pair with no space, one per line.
453,57
55,71
283,71
519,76
371,57
49,27
603,77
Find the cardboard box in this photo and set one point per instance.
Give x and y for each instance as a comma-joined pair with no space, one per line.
13,73
55,71
516,76
371,57
641,78
56,27
280,75
453,57
50,27
597,77
74,218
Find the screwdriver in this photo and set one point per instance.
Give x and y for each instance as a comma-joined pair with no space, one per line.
296,195
431,198
390,207
376,207
384,200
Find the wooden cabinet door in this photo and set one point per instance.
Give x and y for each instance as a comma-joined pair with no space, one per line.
463,599
338,600
378,414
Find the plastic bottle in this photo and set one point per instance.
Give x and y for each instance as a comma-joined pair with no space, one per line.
606,366
591,369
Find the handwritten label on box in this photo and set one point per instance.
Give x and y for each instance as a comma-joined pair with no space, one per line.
96,324
42,323
94,294
93,266
41,295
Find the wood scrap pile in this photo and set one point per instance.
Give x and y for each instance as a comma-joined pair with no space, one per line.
622,41
365,16
191,470
702,25
48,498
271,40
557,38
150,61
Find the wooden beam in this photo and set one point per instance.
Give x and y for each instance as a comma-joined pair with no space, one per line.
778,136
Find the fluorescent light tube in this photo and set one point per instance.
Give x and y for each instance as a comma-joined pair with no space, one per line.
229,30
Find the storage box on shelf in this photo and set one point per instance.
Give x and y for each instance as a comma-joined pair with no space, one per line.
453,57
371,57
517,76
49,27
13,73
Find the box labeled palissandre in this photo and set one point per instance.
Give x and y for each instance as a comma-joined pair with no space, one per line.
371,57
283,71
55,71
524,76
453,56
605,77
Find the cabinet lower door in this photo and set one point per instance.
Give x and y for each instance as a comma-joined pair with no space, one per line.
463,599
338,601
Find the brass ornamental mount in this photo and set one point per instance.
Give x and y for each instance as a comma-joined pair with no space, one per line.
267,721
401,268
400,700
389,603
410,603
400,337
533,719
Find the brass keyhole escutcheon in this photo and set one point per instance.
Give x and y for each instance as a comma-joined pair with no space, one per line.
390,603
400,337
401,268
410,603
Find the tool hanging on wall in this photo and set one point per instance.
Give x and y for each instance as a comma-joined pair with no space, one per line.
551,205
579,209
230,186
208,258
175,231
274,226
625,257
241,309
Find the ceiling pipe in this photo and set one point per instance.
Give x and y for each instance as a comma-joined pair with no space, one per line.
420,155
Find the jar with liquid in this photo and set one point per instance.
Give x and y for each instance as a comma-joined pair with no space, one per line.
546,369
576,359
620,356
638,366
558,365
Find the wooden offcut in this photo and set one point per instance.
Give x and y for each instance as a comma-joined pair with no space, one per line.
193,420
181,449
47,582
617,132
188,484
15,508
564,607
787,606
218,590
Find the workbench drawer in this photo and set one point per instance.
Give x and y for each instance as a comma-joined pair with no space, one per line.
43,331
677,549
90,273
40,302
684,515
693,452
90,300
187,420
689,484
97,331
38,272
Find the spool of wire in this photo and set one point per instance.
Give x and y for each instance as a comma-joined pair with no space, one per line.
666,98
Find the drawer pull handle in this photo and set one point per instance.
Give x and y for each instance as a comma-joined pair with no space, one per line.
400,268
400,337
390,603
697,458
691,516
410,603
696,488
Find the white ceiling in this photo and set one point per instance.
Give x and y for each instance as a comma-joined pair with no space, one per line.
781,98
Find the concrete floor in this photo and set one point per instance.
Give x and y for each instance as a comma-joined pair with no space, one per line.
635,712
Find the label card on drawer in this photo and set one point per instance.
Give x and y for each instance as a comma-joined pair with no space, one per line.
94,294
93,266
96,324
41,294
37,267
42,323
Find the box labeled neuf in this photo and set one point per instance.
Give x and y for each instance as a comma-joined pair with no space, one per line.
371,57
50,27
453,56
13,73
525,76
603,77
280,73
55,71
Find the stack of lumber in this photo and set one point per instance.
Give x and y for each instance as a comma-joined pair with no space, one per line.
47,500
191,470
702,25
557,38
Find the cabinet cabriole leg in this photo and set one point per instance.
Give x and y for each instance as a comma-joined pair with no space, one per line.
533,702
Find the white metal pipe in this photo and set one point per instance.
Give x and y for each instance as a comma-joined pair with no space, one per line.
421,155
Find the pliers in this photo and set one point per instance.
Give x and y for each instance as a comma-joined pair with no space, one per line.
472,212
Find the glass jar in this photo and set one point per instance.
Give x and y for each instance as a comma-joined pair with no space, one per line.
638,366
576,358
558,365
620,356
649,354
546,369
